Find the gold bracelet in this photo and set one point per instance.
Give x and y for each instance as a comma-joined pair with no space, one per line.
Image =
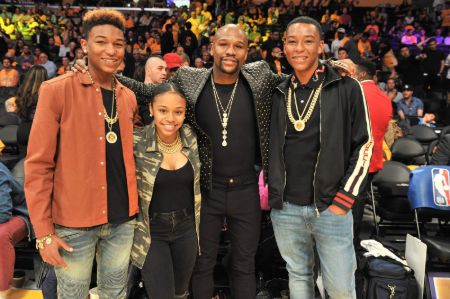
40,242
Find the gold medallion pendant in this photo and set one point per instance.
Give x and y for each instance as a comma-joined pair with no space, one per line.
111,137
299,125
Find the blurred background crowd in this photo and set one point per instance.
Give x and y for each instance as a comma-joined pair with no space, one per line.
409,42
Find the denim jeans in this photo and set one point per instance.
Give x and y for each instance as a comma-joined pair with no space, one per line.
297,229
171,258
111,244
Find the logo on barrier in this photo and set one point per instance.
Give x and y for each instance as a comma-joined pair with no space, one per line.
441,187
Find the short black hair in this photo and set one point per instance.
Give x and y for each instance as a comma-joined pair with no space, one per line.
165,87
99,17
368,67
403,46
8,58
306,20
343,49
431,40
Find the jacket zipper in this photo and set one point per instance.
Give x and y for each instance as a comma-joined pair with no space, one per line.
320,146
318,155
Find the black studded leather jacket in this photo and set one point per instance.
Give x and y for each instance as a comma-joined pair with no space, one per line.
262,82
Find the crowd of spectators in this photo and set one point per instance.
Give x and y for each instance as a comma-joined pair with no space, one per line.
408,44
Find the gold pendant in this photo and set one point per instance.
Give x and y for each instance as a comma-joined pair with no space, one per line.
299,125
111,137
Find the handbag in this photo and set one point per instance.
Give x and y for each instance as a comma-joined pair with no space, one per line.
385,278
263,193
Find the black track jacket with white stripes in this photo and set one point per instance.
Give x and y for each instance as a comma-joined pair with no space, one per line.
346,143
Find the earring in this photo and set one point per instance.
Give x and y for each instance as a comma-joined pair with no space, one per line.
85,51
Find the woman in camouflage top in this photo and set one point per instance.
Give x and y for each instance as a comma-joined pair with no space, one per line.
168,176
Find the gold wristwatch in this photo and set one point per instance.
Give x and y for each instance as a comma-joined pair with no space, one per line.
41,242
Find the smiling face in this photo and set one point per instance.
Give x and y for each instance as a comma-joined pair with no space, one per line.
169,110
302,47
229,49
105,47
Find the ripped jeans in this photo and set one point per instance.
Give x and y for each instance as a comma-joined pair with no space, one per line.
111,244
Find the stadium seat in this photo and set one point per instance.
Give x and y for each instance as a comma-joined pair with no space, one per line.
429,196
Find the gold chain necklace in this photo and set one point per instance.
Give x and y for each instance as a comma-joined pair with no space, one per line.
111,137
300,123
169,148
224,113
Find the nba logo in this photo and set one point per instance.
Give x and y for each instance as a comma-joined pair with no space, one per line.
441,187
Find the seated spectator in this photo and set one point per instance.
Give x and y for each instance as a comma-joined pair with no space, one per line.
9,79
50,66
198,63
337,42
174,62
409,38
26,60
278,63
8,115
65,66
342,53
364,46
27,94
14,225
53,49
391,91
409,105
429,120
64,48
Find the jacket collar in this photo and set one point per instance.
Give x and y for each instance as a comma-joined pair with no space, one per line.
86,80
331,76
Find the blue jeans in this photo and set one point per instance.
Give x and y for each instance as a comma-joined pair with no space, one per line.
111,244
297,229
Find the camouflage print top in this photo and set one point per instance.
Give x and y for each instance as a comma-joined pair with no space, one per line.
148,162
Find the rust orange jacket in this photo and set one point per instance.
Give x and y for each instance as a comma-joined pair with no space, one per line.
65,168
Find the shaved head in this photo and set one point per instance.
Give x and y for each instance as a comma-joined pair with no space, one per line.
229,50
231,30
155,70
150,60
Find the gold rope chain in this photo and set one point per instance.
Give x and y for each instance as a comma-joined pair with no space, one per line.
169,148
300,124
110,120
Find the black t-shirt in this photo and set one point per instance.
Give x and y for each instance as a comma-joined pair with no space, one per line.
301,148
173,190
116,178
240,155
432,64
410,70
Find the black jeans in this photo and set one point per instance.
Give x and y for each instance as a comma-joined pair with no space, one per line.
237,200
171,258
358,210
